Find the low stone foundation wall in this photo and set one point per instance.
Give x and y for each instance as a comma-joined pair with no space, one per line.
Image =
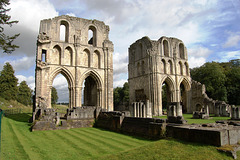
152,128
216,134
48,119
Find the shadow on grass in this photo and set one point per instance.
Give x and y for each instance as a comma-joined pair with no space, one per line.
127,134
20,117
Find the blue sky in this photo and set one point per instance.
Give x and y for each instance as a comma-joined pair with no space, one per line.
210,29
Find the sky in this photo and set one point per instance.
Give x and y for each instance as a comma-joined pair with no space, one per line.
210,29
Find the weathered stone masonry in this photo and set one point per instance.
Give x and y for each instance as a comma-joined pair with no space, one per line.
152,63
78,58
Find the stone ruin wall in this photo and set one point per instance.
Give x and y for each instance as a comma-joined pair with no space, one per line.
77,58
151,63
199,100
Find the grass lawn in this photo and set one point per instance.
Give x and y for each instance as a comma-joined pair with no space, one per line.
190,120
91,143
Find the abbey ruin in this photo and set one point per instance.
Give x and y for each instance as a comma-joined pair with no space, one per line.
81,51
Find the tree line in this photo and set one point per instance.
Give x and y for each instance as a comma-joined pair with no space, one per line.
222,80
10,90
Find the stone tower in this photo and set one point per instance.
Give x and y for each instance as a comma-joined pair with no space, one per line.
81,51
153,64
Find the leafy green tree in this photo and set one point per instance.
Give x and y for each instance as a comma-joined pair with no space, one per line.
8,83
233,82
121,95
24,94
125,92
116,96
54,96
5,40
214,78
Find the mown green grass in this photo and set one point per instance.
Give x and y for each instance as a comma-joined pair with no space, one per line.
19,143
190,120
91,143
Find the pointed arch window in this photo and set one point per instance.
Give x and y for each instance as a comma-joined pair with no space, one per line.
165,48
64,31
181,51
92,36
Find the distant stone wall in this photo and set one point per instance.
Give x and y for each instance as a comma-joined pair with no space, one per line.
217,134
199,100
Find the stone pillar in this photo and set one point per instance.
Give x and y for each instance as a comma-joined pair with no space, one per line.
179,109
134,109
137,110
233,112
238,112
140,109
144,111
149,109
78,97
207,110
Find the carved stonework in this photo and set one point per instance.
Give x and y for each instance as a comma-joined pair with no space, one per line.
77,59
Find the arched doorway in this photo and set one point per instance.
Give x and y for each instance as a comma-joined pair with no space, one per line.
167,93
62,92
90,92
184,97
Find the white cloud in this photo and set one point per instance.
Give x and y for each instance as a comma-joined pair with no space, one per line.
226,56
61,85
28,13
196,62
119,83
199,51
120,63
232,41
22,64
30,80
197,55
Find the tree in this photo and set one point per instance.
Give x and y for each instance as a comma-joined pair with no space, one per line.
214,78
54,96
8,83
24,94
121,95
232,83
5,40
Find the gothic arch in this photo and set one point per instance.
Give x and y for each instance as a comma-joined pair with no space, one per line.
171,88
92,88
170,66
56,54
96,59
180,68
85,60
186,83
65,72
94,75
69,77
68,56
